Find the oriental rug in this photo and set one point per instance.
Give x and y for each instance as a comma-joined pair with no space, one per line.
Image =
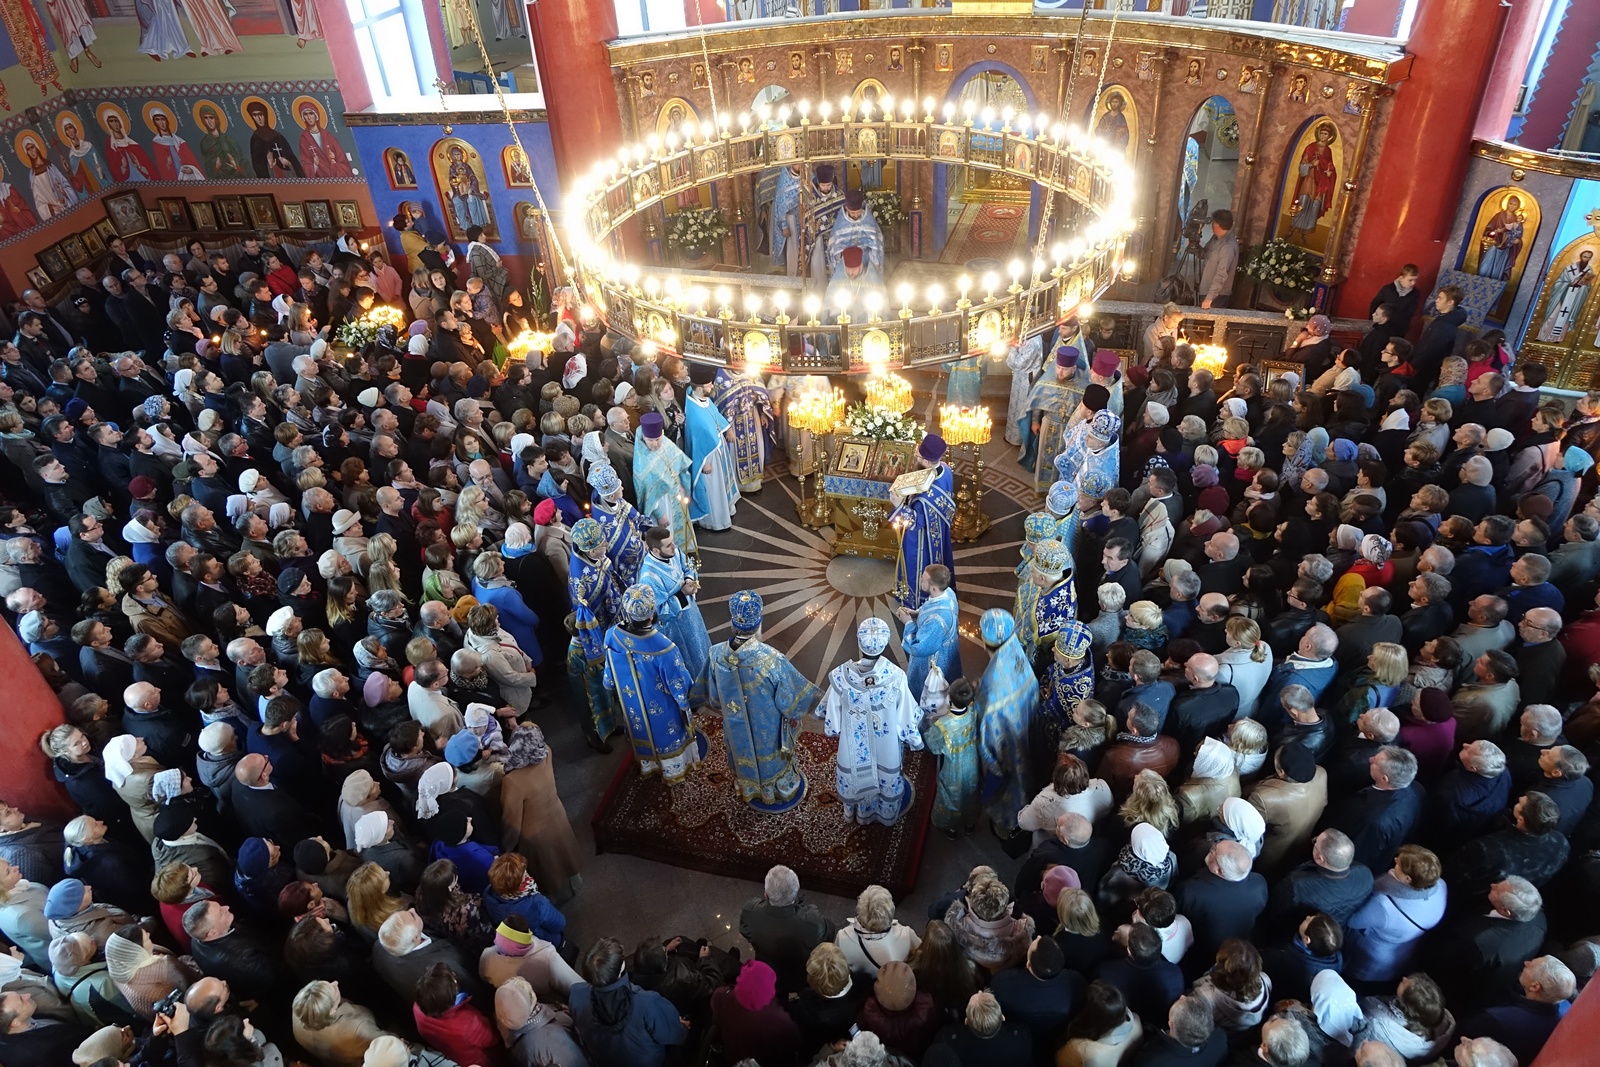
702,824
990,233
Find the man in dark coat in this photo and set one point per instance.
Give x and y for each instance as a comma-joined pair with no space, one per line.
1530,848
1379,819
1042,995
1220,902
263,810
783,930
238,957
1478,956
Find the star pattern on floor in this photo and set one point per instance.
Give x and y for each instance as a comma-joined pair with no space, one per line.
805,615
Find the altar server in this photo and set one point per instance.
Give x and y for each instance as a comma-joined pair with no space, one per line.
930,637
1008,696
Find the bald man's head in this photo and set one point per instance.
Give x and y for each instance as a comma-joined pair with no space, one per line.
1073,830
141,696
1201,670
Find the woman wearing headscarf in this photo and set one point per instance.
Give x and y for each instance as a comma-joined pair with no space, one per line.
437,793
1313,347
130,770
359,795
1145,861
145,973
1310,454
1241,821
377,841
535,822
1214,779
1339,461
84,982
1371,568
535,1033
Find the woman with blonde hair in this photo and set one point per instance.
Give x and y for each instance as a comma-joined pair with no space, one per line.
22,916
1247,739
1084,940
1145,628
331,1028
874,937
474,509
1245,664
1150,802
1090,730
984,925
369,900
1379,683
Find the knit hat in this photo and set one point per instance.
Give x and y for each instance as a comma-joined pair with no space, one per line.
311,856
1435,705
75,408
255,859
64,900
71,951
141,486
509,941
462,748
1497,439
417,328
1536,506
1203,476
756,985
1213,499
544,513
513,1005
872,635
172,822
289,580
450,826
375,689
1137,376
895,986
1056,880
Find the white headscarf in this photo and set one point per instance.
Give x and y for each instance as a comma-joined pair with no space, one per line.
1334,1003
1398,419
519,442
434,783
118,754
1214,760
166,785
183,385
594,449
1245,823
1347,537
1148,844
1237,407
371,827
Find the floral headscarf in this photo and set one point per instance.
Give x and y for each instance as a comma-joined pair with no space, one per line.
1146,856
527,748
1376,549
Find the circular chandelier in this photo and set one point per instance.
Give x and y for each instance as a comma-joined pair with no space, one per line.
754,329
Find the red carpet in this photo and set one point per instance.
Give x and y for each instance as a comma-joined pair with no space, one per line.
702,824
985,231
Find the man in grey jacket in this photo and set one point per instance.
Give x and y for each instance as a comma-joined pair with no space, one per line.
1221,261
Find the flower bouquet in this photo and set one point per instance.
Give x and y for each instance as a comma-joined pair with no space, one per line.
887,208
696,231
864,421
1283,264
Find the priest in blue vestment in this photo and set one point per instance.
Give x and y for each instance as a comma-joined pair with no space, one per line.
661,480
930,637
1051,405
744,403
762,698
622,523
1052,604
707,437
856,227
923,520
676,582
646,672
593,587
1008,696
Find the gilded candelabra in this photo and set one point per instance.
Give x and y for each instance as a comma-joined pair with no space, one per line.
969,427
817,414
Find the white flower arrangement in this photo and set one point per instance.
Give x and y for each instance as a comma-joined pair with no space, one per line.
357,333
886,207
864,421
696,230
1284,264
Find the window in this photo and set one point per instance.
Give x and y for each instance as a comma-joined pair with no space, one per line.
383,38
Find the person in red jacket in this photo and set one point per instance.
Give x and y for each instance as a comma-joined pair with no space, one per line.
447,1021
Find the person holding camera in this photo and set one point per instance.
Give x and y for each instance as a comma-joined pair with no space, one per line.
1221,261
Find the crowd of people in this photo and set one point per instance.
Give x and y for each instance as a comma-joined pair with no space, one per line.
1303,776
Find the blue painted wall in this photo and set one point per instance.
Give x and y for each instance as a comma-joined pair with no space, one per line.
489,138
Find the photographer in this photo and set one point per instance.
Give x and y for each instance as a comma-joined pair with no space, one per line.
1221,261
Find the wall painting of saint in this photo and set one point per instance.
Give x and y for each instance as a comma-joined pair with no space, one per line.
463,187
1116,121
1310,186
1500,239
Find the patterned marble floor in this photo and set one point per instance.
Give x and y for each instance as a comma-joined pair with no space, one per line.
814,600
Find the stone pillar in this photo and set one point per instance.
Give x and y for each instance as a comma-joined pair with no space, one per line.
1510,64
580,95
1414,190
31,709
